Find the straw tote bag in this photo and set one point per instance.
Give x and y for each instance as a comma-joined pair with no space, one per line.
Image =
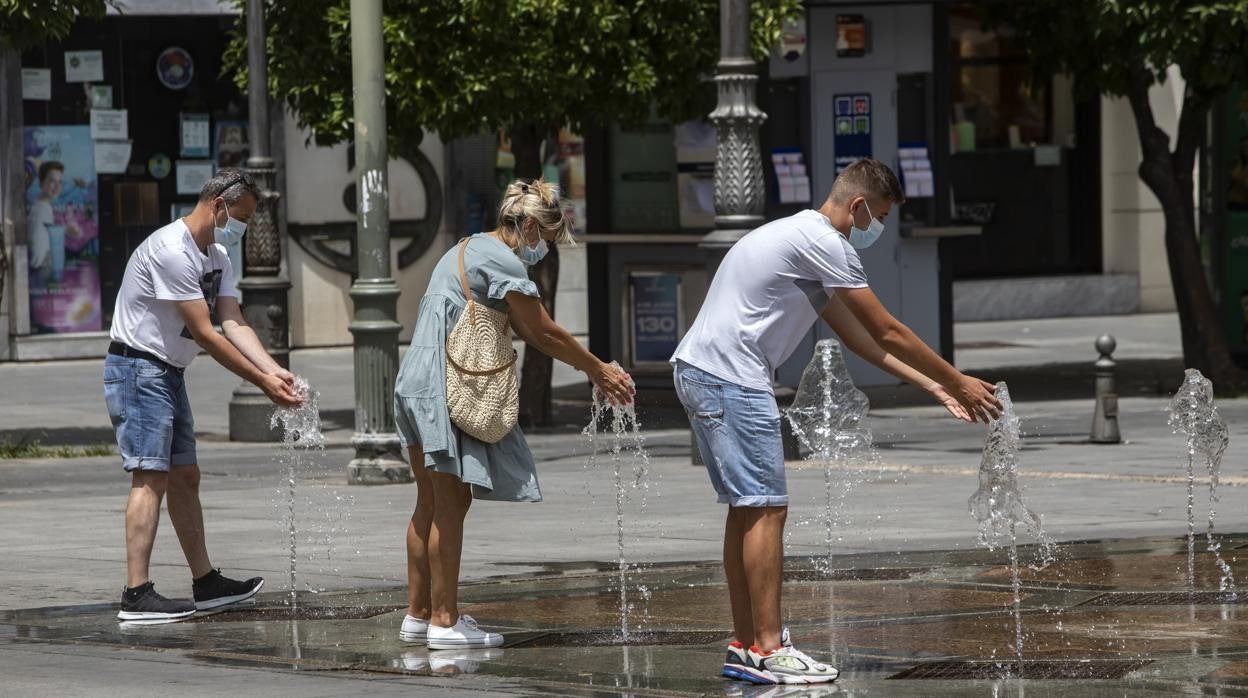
482,391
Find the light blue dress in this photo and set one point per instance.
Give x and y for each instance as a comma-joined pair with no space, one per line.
502,471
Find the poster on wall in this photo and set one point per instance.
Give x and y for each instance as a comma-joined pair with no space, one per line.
654,299
84,66
37,84
1235,257
851,36
63,229
851,139
231,148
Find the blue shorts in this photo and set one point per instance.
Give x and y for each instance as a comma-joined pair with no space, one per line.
150,412
738,435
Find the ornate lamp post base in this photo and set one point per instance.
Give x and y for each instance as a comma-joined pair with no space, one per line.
377,461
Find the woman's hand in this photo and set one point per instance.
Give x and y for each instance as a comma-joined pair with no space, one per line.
614,383
977,397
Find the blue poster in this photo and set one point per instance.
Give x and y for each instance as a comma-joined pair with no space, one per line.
851,134
656,315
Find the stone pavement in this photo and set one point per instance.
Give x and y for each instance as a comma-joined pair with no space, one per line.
60,519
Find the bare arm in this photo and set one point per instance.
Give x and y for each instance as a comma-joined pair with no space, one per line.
244,338
198,320
535,326
892,336
859,341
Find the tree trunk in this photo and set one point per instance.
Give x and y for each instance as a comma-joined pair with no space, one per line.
535,375
1170,177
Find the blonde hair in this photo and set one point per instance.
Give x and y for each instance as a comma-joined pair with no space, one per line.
540,201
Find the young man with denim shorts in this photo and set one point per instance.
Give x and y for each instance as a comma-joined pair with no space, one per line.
177,285
767,293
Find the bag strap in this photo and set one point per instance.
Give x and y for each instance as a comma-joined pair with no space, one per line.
463,280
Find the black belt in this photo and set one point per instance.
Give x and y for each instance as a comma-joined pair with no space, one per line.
119,349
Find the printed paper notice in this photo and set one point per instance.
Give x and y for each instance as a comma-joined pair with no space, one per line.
109,124
37,83
112,157
84,66
192,175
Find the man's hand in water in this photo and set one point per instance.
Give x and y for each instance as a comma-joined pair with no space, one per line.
978,398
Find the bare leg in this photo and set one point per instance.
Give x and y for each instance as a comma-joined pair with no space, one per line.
734,570
451,499
147,488
418,603
187,516
763,557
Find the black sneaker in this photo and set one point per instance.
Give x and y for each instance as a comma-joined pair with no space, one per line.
214,590
142,603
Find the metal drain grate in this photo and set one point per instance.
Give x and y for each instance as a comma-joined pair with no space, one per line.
280,614
883,574
636,638
1108,669
1166,598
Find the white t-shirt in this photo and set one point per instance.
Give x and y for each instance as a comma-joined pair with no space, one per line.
167,268
767,293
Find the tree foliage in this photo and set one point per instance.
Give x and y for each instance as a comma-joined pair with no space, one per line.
1122,48
462,67
26,23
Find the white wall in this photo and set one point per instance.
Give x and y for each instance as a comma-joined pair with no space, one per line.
1132,225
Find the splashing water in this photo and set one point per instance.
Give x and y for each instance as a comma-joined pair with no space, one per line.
624,425
828,416
1193,414
301,439
998,504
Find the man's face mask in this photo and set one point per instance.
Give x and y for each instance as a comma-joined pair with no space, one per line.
232,232
862,239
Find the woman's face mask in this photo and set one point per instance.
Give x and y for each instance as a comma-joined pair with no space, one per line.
533,254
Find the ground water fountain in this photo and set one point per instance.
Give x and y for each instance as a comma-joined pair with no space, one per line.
626,430
828,416
998,505
1193,414
302,442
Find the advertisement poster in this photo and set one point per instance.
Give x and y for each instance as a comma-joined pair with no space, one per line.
655,303
63,229
851,36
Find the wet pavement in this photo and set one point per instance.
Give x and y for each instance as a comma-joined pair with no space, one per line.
1107,618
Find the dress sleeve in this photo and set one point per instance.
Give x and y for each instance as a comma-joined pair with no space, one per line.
504,273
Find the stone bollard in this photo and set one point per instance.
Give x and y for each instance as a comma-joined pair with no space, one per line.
792,448
1105,419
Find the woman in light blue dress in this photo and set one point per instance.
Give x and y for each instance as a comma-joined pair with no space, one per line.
452,467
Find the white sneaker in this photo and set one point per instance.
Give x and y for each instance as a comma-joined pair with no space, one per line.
414,630
416,661
787,665
464,633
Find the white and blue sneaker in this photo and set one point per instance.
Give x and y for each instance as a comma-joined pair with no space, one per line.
414,630
736,663
787,665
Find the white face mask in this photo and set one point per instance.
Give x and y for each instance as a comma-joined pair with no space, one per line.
532,255
862,239
232,232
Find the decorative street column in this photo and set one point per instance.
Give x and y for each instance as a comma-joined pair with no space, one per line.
739,185
263,288
374,294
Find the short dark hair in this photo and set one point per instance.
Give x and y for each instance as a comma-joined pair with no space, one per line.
47,167
229,183
867,176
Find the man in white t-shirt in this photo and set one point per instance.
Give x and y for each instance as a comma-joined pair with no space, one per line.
179,284
771,287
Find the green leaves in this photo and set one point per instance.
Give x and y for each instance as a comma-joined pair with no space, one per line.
25,23
461,67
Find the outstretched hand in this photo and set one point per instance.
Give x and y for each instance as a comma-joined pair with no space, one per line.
978,398
954,407
615,383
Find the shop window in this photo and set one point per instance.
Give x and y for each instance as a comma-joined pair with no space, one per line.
996,103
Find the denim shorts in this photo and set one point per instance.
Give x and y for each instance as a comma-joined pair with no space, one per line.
738,434
150,412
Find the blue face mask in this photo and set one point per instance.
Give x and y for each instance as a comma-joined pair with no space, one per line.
862,239
232,232
532,255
